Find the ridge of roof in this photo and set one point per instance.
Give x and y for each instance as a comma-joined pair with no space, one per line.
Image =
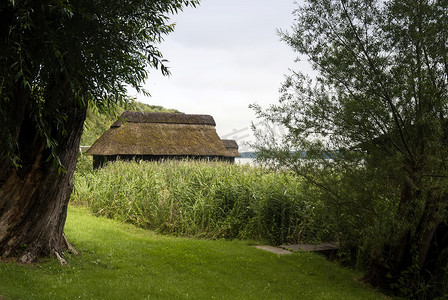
167,118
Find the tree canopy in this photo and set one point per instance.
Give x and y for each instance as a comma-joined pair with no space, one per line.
96,49
57,58
378,109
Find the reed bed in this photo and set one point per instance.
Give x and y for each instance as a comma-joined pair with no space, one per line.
202,199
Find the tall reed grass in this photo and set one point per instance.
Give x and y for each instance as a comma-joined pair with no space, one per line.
202,199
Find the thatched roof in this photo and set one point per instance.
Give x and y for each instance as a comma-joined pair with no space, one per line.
231,147
166,118
160,134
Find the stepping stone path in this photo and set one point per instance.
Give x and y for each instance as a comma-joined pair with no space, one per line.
324,247
328,249
275,250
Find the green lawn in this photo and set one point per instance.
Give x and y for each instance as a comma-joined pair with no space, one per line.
119,261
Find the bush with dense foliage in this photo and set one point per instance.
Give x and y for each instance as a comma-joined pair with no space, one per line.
377,106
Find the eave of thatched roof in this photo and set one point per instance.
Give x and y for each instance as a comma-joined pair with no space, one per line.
231,147
160,134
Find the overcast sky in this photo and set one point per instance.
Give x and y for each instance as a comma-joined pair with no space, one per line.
223,56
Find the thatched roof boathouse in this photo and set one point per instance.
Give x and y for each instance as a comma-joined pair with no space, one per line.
157,136
232,150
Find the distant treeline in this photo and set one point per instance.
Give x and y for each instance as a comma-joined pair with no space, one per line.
248,154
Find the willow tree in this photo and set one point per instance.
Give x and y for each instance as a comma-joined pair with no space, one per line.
378,107
56,57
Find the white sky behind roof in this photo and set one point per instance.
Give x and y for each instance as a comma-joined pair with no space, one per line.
223,56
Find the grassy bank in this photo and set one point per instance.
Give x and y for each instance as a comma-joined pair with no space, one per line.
211,200
119,261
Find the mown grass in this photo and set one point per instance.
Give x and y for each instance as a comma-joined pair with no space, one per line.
203,199
120,261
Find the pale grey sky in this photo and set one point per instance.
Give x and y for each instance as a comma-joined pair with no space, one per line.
223,56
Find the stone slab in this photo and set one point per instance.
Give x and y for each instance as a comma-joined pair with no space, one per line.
324,247
275,250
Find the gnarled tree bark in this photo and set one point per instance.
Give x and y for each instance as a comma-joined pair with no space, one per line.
34,196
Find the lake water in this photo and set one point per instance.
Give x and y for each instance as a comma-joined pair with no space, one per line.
244,161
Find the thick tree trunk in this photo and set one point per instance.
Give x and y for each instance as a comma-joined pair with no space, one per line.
34,197
409,262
